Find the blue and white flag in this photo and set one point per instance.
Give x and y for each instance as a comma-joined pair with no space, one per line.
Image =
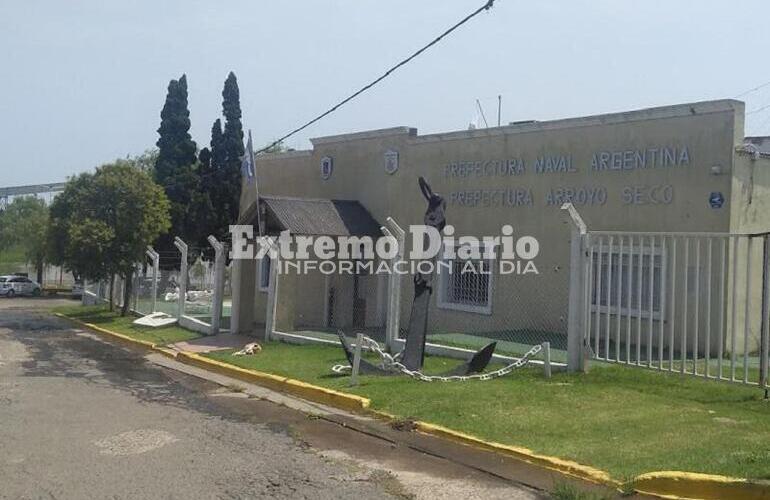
247,166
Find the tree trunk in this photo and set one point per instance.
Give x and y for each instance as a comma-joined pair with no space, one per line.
127,294
112,290
39,266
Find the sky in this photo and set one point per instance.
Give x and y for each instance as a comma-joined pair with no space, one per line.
83,82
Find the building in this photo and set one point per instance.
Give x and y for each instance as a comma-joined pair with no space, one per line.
681,168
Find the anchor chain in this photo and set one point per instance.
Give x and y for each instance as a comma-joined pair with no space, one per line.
389,363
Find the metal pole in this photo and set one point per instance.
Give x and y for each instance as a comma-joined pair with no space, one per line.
547,359
153,255
400,235
575,334
356,359
182,247
765,330
219,268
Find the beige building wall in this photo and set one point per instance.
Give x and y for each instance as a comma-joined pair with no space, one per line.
646,170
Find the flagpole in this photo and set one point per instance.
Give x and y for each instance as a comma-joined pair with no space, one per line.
253,164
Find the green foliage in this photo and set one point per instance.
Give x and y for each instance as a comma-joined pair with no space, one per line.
177,170
24,224
222,184
102,223
176,149
144,162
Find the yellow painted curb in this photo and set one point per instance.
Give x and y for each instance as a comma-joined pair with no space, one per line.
349,402
568,467
691,485
119,336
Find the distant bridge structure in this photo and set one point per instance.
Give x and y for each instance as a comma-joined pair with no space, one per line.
6,193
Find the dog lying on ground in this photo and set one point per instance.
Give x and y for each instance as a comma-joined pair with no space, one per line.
249,349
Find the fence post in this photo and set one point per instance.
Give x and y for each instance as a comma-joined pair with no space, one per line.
153,255
576,310
182,247
394,287
272,296
219,284
547,359
356,359
765,329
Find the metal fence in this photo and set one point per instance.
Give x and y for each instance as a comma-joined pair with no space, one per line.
693,303
318,303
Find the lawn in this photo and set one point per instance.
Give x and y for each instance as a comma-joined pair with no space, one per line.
101,316
624,420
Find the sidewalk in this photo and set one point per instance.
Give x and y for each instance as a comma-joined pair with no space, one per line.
211,343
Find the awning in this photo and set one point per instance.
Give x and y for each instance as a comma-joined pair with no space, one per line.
312,216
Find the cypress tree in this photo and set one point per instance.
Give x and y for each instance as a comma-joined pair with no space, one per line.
232,141
175,171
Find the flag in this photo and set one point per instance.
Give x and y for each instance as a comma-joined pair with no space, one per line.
247,166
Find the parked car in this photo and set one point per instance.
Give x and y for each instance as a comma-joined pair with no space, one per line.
11,286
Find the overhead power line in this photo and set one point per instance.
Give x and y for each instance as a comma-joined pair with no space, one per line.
487,5
758,87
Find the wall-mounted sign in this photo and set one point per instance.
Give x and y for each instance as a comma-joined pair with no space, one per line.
716,200
391,161
327,165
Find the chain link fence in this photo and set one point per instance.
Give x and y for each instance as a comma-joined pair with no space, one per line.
200,291
333,297
516,303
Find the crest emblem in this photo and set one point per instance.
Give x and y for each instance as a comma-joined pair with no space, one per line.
716,200
327,165
391,161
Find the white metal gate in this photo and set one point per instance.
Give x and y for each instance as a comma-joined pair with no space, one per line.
693,303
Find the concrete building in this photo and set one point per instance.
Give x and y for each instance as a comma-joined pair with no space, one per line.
681,168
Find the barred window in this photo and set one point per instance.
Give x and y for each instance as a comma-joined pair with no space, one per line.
621,284
466,285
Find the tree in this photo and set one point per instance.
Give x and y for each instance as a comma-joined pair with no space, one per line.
222,186
105,220
176,170
24,224
232,138
176,149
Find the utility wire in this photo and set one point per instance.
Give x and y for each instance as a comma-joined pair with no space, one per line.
753,90
761,108
487,5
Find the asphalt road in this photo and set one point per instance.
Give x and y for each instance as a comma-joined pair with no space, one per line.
84,418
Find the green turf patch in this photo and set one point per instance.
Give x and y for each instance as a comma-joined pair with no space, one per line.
101,316
623,420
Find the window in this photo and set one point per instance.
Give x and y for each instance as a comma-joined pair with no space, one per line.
619,279
466,284
264,273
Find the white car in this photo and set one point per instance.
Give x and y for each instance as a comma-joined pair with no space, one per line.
10,286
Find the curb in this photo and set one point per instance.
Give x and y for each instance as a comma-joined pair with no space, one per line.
349,402
556,464
665,484
688,485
